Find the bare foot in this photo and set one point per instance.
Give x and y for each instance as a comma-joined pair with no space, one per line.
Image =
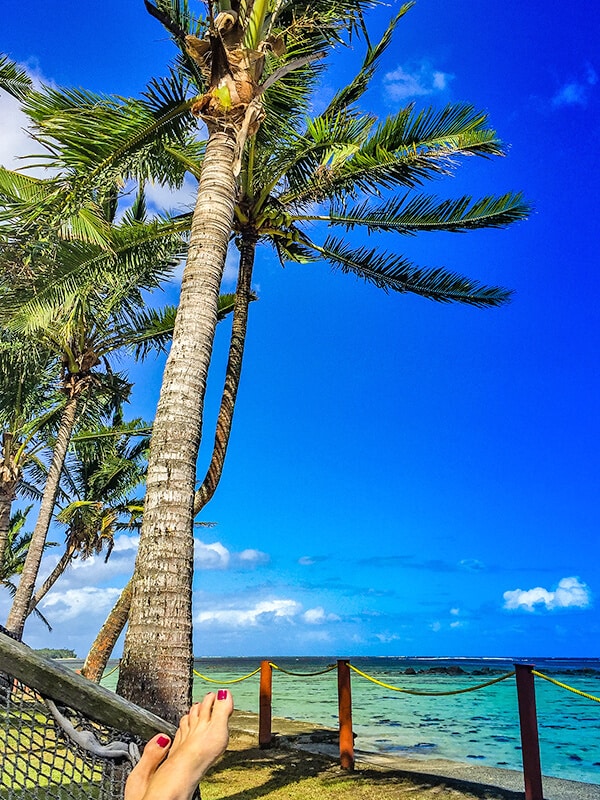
141,775
202,737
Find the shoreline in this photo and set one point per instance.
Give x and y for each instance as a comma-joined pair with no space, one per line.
471,778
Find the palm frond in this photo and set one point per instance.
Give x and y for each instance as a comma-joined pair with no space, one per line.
142,256
395,273
353,91
103,137
410,215
405,150
14,79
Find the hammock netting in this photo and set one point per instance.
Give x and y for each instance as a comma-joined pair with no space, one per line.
39,760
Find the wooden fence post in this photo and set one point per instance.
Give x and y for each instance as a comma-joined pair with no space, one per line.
532,768
265,705
345,714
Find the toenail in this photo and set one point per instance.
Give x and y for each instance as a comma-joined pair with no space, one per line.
222,694
162,741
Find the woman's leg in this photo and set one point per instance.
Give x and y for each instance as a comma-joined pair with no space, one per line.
202,737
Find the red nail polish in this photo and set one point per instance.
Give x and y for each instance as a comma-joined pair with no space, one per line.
162,741
222,694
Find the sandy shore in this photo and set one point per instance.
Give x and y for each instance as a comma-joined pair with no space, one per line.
469,779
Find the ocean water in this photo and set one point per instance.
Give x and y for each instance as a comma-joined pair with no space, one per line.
480,726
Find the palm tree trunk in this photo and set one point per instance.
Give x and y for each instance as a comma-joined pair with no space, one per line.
233,374
157,661
20,607
58,570
103,645
7,494
9,478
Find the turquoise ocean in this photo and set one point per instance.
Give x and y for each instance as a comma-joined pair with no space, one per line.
476,727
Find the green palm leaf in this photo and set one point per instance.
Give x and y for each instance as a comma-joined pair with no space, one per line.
13,79
395,273
409,215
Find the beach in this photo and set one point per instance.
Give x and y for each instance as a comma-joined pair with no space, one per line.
303,764
479,729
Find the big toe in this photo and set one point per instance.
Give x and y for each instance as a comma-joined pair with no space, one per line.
223,707
153,755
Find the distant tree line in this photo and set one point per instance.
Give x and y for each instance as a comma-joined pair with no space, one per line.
50,652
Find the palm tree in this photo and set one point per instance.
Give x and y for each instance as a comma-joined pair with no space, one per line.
85,322
29,404
14,555
244,42
338,157
104,468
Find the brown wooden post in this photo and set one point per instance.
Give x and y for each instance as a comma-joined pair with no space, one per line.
265,705
345,714
532,768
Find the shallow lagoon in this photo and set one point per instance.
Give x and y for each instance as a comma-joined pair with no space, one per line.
478,726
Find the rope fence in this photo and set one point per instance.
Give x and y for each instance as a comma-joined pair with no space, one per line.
523,673
430,694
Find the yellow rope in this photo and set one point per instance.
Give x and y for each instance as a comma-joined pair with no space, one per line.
431,694
564,686
237,680
114,669
303,674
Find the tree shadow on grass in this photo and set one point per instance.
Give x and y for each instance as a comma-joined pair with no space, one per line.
249,773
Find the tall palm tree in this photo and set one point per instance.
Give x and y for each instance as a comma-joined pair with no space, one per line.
104,469
14,555
85,322
29,405
247,47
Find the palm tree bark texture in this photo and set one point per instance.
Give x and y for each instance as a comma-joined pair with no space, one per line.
157,660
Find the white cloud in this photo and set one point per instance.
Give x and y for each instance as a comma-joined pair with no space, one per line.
317,616
415,80
217,556
306,561
263,612
83,602
455,611
252,557
211,556
570,593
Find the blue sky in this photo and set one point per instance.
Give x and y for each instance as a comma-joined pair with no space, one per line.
404,477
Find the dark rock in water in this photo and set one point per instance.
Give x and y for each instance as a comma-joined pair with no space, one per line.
502,763
453,670
574,757
486,671
596,764
502,738
471,756
410,671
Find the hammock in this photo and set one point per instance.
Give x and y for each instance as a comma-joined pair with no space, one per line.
63,737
